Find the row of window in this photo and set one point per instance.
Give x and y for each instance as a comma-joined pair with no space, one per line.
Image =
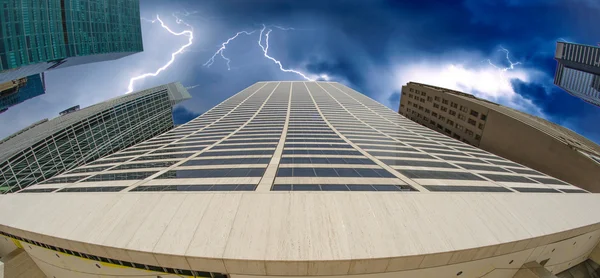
237,153
317,145
93,189
212,173
158,164
334,172
332,152
198,187
173,150
164,156
120,176
417,163
325,160
341,187
228,161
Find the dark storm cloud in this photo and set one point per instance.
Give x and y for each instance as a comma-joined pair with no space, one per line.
182,115
563,108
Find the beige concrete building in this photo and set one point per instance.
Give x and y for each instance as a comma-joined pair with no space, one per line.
301,179
506,132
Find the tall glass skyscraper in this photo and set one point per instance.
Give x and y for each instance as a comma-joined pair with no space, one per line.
578,70
299,180
50,147
39,35
19,90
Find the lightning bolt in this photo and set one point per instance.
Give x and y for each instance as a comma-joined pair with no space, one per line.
223,47
265,50
187,33
512,65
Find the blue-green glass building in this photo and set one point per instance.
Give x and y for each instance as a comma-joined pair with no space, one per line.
22,89
38,35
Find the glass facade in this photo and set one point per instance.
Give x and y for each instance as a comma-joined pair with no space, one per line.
48,33
303,136
17,91
52,147
578,71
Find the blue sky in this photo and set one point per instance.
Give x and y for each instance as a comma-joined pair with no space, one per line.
372,46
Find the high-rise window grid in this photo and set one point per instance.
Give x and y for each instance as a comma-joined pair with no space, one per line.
316,136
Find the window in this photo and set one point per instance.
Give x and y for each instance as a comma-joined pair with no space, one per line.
435,105
461,116
420,107
445,101
460,126
471,122
423,93
422,99
474,113
456,136
430,99
427,111
432,122
477,137
425,119
480,126
464,108
439,126
411,90
450,122
483,117
469,132
437,98
453,105
447,131
415,105
452,112
410,96
442,118
434,114
444,108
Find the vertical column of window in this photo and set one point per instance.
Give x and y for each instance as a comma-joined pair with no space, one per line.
285,92
236,110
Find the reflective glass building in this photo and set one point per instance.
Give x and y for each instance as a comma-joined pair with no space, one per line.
19,90
302,179
50,147
578,70
39,35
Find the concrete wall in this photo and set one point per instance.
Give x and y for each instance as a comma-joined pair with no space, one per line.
6,246
519,142
18,264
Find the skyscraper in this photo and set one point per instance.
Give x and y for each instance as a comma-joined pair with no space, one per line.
578,70
19,90
50,147
40,35
540,144
301,179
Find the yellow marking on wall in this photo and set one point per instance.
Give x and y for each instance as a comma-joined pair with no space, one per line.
17,243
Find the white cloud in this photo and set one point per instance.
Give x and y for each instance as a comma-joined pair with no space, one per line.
471,74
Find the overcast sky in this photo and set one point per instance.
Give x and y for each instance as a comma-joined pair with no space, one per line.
372,46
